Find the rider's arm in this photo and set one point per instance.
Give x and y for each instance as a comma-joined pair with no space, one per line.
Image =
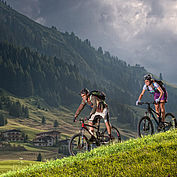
94,102
141,95
80,108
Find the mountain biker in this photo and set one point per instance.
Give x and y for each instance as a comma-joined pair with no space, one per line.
160,96
99,107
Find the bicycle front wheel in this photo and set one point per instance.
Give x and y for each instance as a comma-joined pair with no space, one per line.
145,127
78,144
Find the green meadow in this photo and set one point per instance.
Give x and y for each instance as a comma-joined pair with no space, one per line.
148,156
7,165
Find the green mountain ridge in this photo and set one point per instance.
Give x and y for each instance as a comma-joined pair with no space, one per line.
39,61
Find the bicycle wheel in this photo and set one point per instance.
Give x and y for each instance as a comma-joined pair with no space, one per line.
145,127
78,144
115,135
170,121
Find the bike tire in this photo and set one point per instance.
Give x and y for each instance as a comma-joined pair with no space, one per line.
115,135
145,127
170,121
78,144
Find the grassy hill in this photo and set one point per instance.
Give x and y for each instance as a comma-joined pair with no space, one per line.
7,165
38,108
150,156
33,125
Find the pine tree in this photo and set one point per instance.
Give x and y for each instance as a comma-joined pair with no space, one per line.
3,121
26,112
18,109
55,123
160,77
43,120
100,50
39,157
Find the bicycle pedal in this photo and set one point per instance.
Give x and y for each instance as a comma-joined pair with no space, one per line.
92,139
161,126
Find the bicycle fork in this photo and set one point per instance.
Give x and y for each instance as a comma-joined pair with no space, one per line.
81,139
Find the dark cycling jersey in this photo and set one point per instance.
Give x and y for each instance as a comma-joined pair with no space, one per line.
96,104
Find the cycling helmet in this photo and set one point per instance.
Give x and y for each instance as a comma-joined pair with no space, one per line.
84,91
148,77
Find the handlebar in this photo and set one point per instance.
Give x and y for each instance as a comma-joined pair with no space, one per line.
148,103
141,103
81,119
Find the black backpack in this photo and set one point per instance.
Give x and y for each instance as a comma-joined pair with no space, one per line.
161,84
101,95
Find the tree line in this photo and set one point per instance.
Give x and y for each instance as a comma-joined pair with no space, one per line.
14,108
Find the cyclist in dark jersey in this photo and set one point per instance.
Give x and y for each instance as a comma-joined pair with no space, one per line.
160,97
99,107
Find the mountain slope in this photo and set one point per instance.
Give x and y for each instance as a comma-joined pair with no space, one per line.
84,66
150,156
20,30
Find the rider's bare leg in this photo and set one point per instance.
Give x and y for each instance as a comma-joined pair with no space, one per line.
108,127
157,108
91,128
162,107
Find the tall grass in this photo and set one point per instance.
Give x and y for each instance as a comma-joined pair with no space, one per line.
149,156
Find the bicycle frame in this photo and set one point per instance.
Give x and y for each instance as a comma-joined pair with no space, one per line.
151,111
84,127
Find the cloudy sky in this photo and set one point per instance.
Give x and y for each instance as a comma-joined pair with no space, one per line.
137,31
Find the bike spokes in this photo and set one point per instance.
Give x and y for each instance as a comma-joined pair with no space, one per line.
170,121
78,144
115,136
145,127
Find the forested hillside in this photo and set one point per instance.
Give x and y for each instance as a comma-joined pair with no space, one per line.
41,61
27,73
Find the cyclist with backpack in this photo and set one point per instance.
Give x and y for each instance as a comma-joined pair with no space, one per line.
160,94
96,100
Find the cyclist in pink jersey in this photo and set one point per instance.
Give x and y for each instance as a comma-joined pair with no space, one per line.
160,95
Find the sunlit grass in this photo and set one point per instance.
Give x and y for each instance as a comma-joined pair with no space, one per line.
150,156
7,165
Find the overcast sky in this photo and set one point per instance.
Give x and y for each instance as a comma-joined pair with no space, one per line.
137,31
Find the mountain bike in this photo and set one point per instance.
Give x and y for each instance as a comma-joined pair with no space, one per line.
145,125
80,142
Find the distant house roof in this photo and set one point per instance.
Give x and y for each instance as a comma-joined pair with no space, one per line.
64,141
44,139
50,132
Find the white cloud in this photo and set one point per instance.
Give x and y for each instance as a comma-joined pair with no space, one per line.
129,17
144,32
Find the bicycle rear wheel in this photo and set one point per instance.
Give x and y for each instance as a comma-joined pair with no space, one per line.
78,144
170,121
115,135
145,127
